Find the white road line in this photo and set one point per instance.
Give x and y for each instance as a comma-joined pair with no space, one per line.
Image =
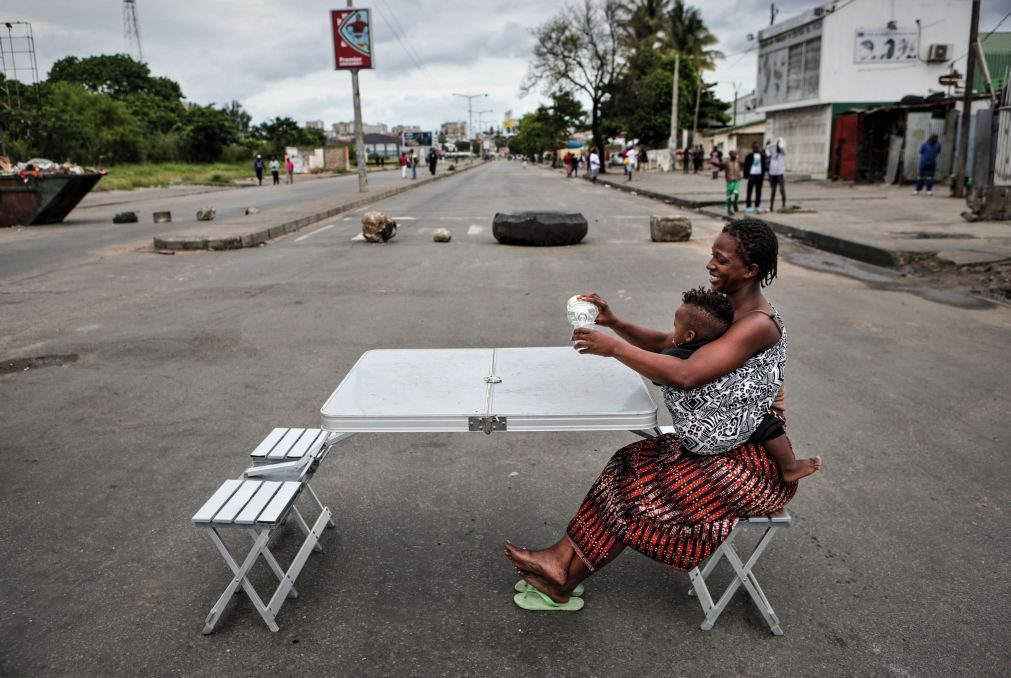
406,218
318,230
423,231
475,229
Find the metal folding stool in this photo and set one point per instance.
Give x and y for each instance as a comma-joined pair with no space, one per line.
260,502
743,573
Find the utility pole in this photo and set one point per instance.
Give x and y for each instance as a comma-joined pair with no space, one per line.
470,110
698,97
674,110
479,115
363,178
970,73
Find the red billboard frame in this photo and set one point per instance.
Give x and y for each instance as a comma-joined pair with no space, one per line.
352,38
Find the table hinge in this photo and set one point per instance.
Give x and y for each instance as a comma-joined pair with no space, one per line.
486,424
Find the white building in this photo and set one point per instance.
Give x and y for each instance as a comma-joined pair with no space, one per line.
854,54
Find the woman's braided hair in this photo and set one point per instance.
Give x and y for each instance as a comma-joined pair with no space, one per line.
756,244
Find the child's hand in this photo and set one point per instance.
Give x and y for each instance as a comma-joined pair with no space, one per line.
604,316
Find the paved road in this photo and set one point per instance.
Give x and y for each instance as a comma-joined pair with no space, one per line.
898,563
89,230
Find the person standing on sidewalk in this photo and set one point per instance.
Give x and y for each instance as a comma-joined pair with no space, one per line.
275,170
755,165
929,151
777,170
433,160
594,165
732,172
258,168
414,164
289,168
403,165
630,155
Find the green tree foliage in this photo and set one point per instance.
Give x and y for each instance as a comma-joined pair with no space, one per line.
209,131
279,133
579,51
114,74
653,32
89,127
549,127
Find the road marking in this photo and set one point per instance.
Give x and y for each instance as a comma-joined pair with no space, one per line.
475,229
406,218
319,230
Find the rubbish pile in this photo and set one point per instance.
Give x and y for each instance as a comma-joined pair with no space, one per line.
42,167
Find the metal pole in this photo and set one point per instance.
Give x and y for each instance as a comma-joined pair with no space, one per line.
470,111
698,96
674,108
363,179
970,73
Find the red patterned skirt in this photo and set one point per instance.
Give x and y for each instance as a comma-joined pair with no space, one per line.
674,506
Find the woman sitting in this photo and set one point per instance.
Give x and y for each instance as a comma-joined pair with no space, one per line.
655,496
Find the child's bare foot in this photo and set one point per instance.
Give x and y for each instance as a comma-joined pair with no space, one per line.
801,468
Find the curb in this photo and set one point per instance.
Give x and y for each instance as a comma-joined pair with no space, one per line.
262,235
850,249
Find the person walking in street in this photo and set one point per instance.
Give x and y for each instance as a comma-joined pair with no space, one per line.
289,168
732,173
929,151
403,165
698,156
567,159
576,159
275,170
686,159
715,162
630,155
414,164
777,170
433,160
258,168
755,165
641,159
594,165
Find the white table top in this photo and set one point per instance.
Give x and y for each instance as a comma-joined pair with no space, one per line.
522,389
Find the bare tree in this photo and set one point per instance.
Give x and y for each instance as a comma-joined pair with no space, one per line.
578,51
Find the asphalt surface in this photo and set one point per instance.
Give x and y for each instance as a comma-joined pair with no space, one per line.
898,563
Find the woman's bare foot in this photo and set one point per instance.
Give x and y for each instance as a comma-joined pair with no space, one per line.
544,570
801,468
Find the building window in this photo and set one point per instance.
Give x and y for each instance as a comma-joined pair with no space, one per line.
802,70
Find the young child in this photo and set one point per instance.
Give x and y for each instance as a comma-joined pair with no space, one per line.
703,316
732,172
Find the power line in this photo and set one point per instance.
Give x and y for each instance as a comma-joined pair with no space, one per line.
397,32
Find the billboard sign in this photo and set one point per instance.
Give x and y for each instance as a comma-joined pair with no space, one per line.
352,38
883,45
416,139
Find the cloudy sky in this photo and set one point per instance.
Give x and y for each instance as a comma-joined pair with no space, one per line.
275,56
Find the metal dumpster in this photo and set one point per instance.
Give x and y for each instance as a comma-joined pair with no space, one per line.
43,198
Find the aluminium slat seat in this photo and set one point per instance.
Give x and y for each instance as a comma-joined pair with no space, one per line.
743,568
257,507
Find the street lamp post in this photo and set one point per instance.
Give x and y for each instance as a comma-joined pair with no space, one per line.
470,110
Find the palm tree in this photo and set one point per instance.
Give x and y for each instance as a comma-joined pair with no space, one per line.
684,32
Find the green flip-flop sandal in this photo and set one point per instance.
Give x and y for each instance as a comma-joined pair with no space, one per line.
534,600
521,587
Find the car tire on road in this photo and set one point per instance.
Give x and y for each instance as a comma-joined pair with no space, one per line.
539,229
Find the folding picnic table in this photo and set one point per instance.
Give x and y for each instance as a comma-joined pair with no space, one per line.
507,389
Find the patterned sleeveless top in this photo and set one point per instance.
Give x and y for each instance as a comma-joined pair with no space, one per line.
717,417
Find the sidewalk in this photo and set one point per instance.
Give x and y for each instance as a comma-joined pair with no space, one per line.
879,224
253,229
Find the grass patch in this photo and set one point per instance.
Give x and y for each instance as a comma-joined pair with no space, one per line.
127,177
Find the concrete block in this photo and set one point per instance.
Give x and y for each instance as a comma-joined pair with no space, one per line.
669,229
442,235
162,217
125,218
252,210
206,214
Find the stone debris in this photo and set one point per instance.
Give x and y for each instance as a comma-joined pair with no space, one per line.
125,218
206,214
162,217
442,235
669,229
252,210
378,227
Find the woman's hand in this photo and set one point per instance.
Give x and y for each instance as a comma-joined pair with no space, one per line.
594,343
604,316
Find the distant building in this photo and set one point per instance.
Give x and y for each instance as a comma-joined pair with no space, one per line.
382,145
454,130
346,129
836,57
400,129
314,124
